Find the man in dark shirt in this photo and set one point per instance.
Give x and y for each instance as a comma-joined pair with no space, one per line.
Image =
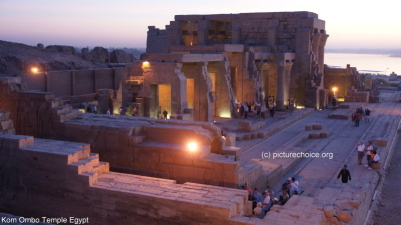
344,173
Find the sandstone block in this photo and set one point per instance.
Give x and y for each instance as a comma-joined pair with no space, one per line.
245,126
317,126
314,135
308,127
381,142
344,216
326,133
376,166
230,139
329,211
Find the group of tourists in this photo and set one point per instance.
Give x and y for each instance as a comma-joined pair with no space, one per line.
160,114
256,109
371,155
262,202
360,114
91,108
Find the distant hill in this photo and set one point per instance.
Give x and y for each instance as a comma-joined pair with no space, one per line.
16,58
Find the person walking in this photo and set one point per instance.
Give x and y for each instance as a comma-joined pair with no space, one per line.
159,112
357,118
165,113
344,174
361,150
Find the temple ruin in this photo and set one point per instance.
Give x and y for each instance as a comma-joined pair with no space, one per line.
58,160
202,65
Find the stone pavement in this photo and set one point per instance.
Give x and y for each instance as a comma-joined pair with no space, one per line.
317,176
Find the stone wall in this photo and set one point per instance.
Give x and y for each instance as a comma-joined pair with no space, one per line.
75,82
137,145
47,178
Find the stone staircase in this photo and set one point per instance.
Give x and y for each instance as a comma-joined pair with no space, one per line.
63,112
69,157
6,124
353,95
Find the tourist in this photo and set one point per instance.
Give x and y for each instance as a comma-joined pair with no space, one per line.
258,211
357,118
369,149
280,200
367,114
291,105
286,185
344,174
245,187
255,197
269,189
94,109
353,118
294,187
246,110
286,196
375,159
266,204
108,112
165,113
159,112
263,111
271,108
361,149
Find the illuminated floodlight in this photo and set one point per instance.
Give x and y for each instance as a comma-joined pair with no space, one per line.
334,89
300,107
34,70
192,146
145,64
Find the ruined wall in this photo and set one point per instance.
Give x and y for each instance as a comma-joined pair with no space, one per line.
46,178
157,72
157,41
75,82
341,78
34,113
204,96
138,145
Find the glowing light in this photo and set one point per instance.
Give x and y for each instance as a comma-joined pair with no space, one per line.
145,64
300,107
334,89
225,114
192,146
34,70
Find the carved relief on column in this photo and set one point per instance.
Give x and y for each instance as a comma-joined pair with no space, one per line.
322,44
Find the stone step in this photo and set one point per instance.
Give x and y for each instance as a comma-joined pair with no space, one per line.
102,168
57,102
4,115
70,116
84,165
138,138
8,131
6,124
64,109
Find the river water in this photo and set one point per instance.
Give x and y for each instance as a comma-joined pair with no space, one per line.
365,63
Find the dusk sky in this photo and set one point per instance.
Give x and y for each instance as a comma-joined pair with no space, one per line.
123,23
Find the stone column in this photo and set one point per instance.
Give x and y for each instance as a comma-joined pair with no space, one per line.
280,85
287,81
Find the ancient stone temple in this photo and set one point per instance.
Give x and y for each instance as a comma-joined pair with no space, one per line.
201,65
